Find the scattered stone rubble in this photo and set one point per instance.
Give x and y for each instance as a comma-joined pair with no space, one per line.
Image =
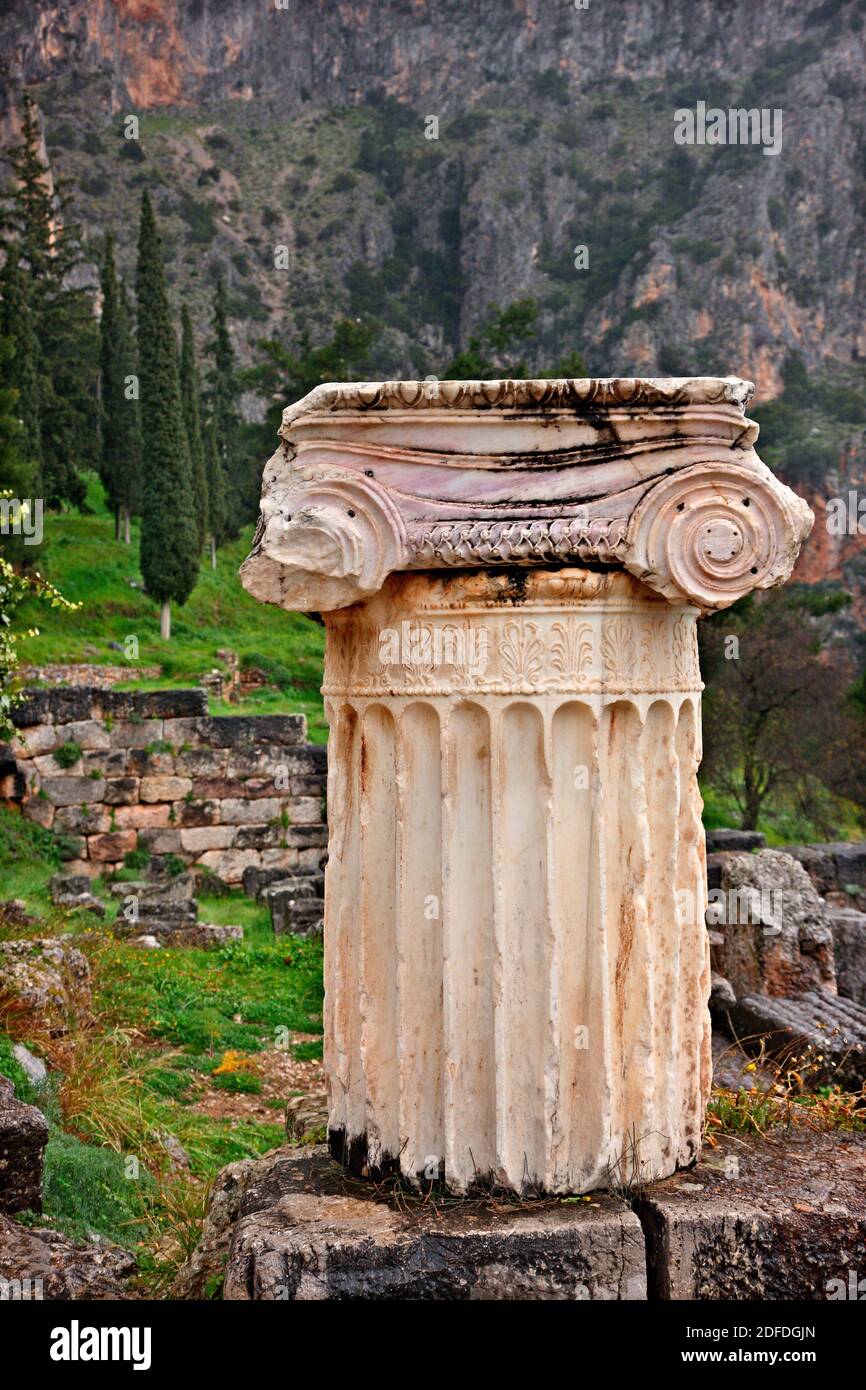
23,1136
37,1263
789,966
59,1268
50,976
161,911
72,892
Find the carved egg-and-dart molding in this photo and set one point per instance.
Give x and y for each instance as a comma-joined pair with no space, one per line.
658,476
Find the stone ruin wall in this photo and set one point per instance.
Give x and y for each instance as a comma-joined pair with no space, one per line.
157,773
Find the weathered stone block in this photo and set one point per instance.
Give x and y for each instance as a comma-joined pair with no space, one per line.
236,811
170,704
114,704
306,836
849,950
34,708
23,1136
182,733
157,841
201,762
735,840
164,788
111,764
111,847
775,929
207,837
291,912
299,1235
73,791
82,820
311,861
48,975
46,765
40,810
87,733
142,763
258,836
820,1024
256,880
35,740
308,786
135,733
240,731
229,864
280,859
140,817
781,1218
121,791
306,810
195,813
63,1269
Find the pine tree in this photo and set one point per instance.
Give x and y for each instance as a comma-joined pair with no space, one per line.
16,326
63,324
190,390
169,550
216,493
120,452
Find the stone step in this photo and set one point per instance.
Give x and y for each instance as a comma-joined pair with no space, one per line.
782,1217
835,1028
290,913
201,935
256,882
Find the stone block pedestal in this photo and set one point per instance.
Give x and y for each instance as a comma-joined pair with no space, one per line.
307,1233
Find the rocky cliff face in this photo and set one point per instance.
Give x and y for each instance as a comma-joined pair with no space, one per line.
308,127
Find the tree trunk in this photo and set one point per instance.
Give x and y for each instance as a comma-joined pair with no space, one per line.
127,529
165,620
117,512
213,552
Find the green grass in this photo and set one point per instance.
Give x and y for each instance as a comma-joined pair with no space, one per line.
159,1025
81,556
29,856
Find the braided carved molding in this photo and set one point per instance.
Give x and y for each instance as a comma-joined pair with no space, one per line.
466,543
656,476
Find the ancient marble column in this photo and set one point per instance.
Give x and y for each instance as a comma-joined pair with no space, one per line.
510,575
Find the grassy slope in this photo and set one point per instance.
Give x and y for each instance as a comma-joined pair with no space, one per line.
81,556
134,1065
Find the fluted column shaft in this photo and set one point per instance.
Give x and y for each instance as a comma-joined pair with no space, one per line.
517,966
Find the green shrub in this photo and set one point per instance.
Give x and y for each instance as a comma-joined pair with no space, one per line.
86,1189
68,754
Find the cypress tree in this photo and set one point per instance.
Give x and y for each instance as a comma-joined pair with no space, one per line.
216,494
67,360
16,326
110,368
169,551
223,395
190,390
120,461
129,431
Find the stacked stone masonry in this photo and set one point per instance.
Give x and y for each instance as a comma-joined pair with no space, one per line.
155,772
